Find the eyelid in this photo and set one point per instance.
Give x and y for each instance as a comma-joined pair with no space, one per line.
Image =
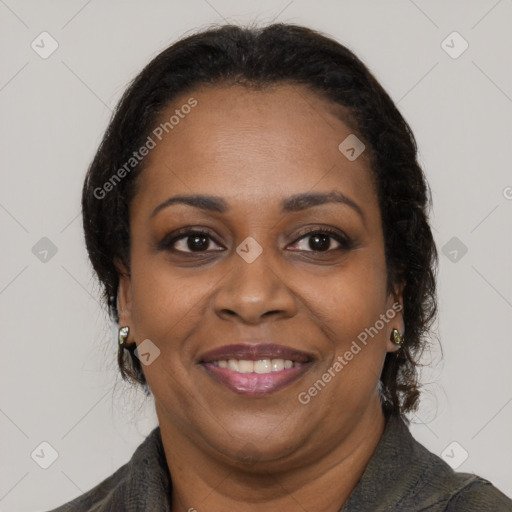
321,229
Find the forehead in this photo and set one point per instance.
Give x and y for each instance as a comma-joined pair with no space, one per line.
255,145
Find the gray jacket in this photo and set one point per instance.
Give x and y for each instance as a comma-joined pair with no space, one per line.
401,475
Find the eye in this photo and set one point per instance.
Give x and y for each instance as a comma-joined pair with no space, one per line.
320,240
199,241
188,241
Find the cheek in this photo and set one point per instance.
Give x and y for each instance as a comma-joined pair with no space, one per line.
165,303
353,306
166,310
354,298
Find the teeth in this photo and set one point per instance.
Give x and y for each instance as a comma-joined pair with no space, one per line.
260,366
277,365
263,366
245,366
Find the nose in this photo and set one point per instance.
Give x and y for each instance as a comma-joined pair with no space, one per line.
254,291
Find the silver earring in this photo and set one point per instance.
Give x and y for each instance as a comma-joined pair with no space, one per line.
121,337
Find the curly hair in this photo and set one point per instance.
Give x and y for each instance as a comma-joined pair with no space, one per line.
258,57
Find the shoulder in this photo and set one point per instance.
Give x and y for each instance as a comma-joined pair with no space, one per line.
403,474
438,487
479,495
143,483
103,497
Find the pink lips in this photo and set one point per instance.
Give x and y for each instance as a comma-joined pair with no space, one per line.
255,384
253,352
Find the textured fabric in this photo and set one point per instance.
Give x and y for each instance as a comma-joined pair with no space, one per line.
401,475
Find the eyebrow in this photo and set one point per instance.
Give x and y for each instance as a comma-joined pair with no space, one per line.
295,203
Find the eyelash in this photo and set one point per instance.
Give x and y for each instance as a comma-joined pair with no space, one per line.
167,243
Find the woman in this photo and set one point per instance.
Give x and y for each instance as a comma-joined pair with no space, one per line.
258,221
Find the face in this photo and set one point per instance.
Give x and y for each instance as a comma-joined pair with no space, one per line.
259,275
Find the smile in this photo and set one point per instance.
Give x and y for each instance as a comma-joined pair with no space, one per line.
259,366
255,370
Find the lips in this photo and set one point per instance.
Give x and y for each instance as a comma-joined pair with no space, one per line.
255,369
255,352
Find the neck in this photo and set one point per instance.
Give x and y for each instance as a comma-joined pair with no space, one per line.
205,483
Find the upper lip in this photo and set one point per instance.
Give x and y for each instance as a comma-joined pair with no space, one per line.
254,352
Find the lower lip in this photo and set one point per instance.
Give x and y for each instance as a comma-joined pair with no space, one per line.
255,384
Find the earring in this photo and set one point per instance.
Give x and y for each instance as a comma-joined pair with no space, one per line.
396,337
122,335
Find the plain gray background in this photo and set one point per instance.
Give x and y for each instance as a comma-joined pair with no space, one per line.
59,379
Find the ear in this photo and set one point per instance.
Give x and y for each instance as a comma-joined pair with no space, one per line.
395,314
124,299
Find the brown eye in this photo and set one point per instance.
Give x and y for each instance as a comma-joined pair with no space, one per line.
188,242
320,240
200,241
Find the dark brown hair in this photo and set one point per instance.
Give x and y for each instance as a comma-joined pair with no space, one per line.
259,57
